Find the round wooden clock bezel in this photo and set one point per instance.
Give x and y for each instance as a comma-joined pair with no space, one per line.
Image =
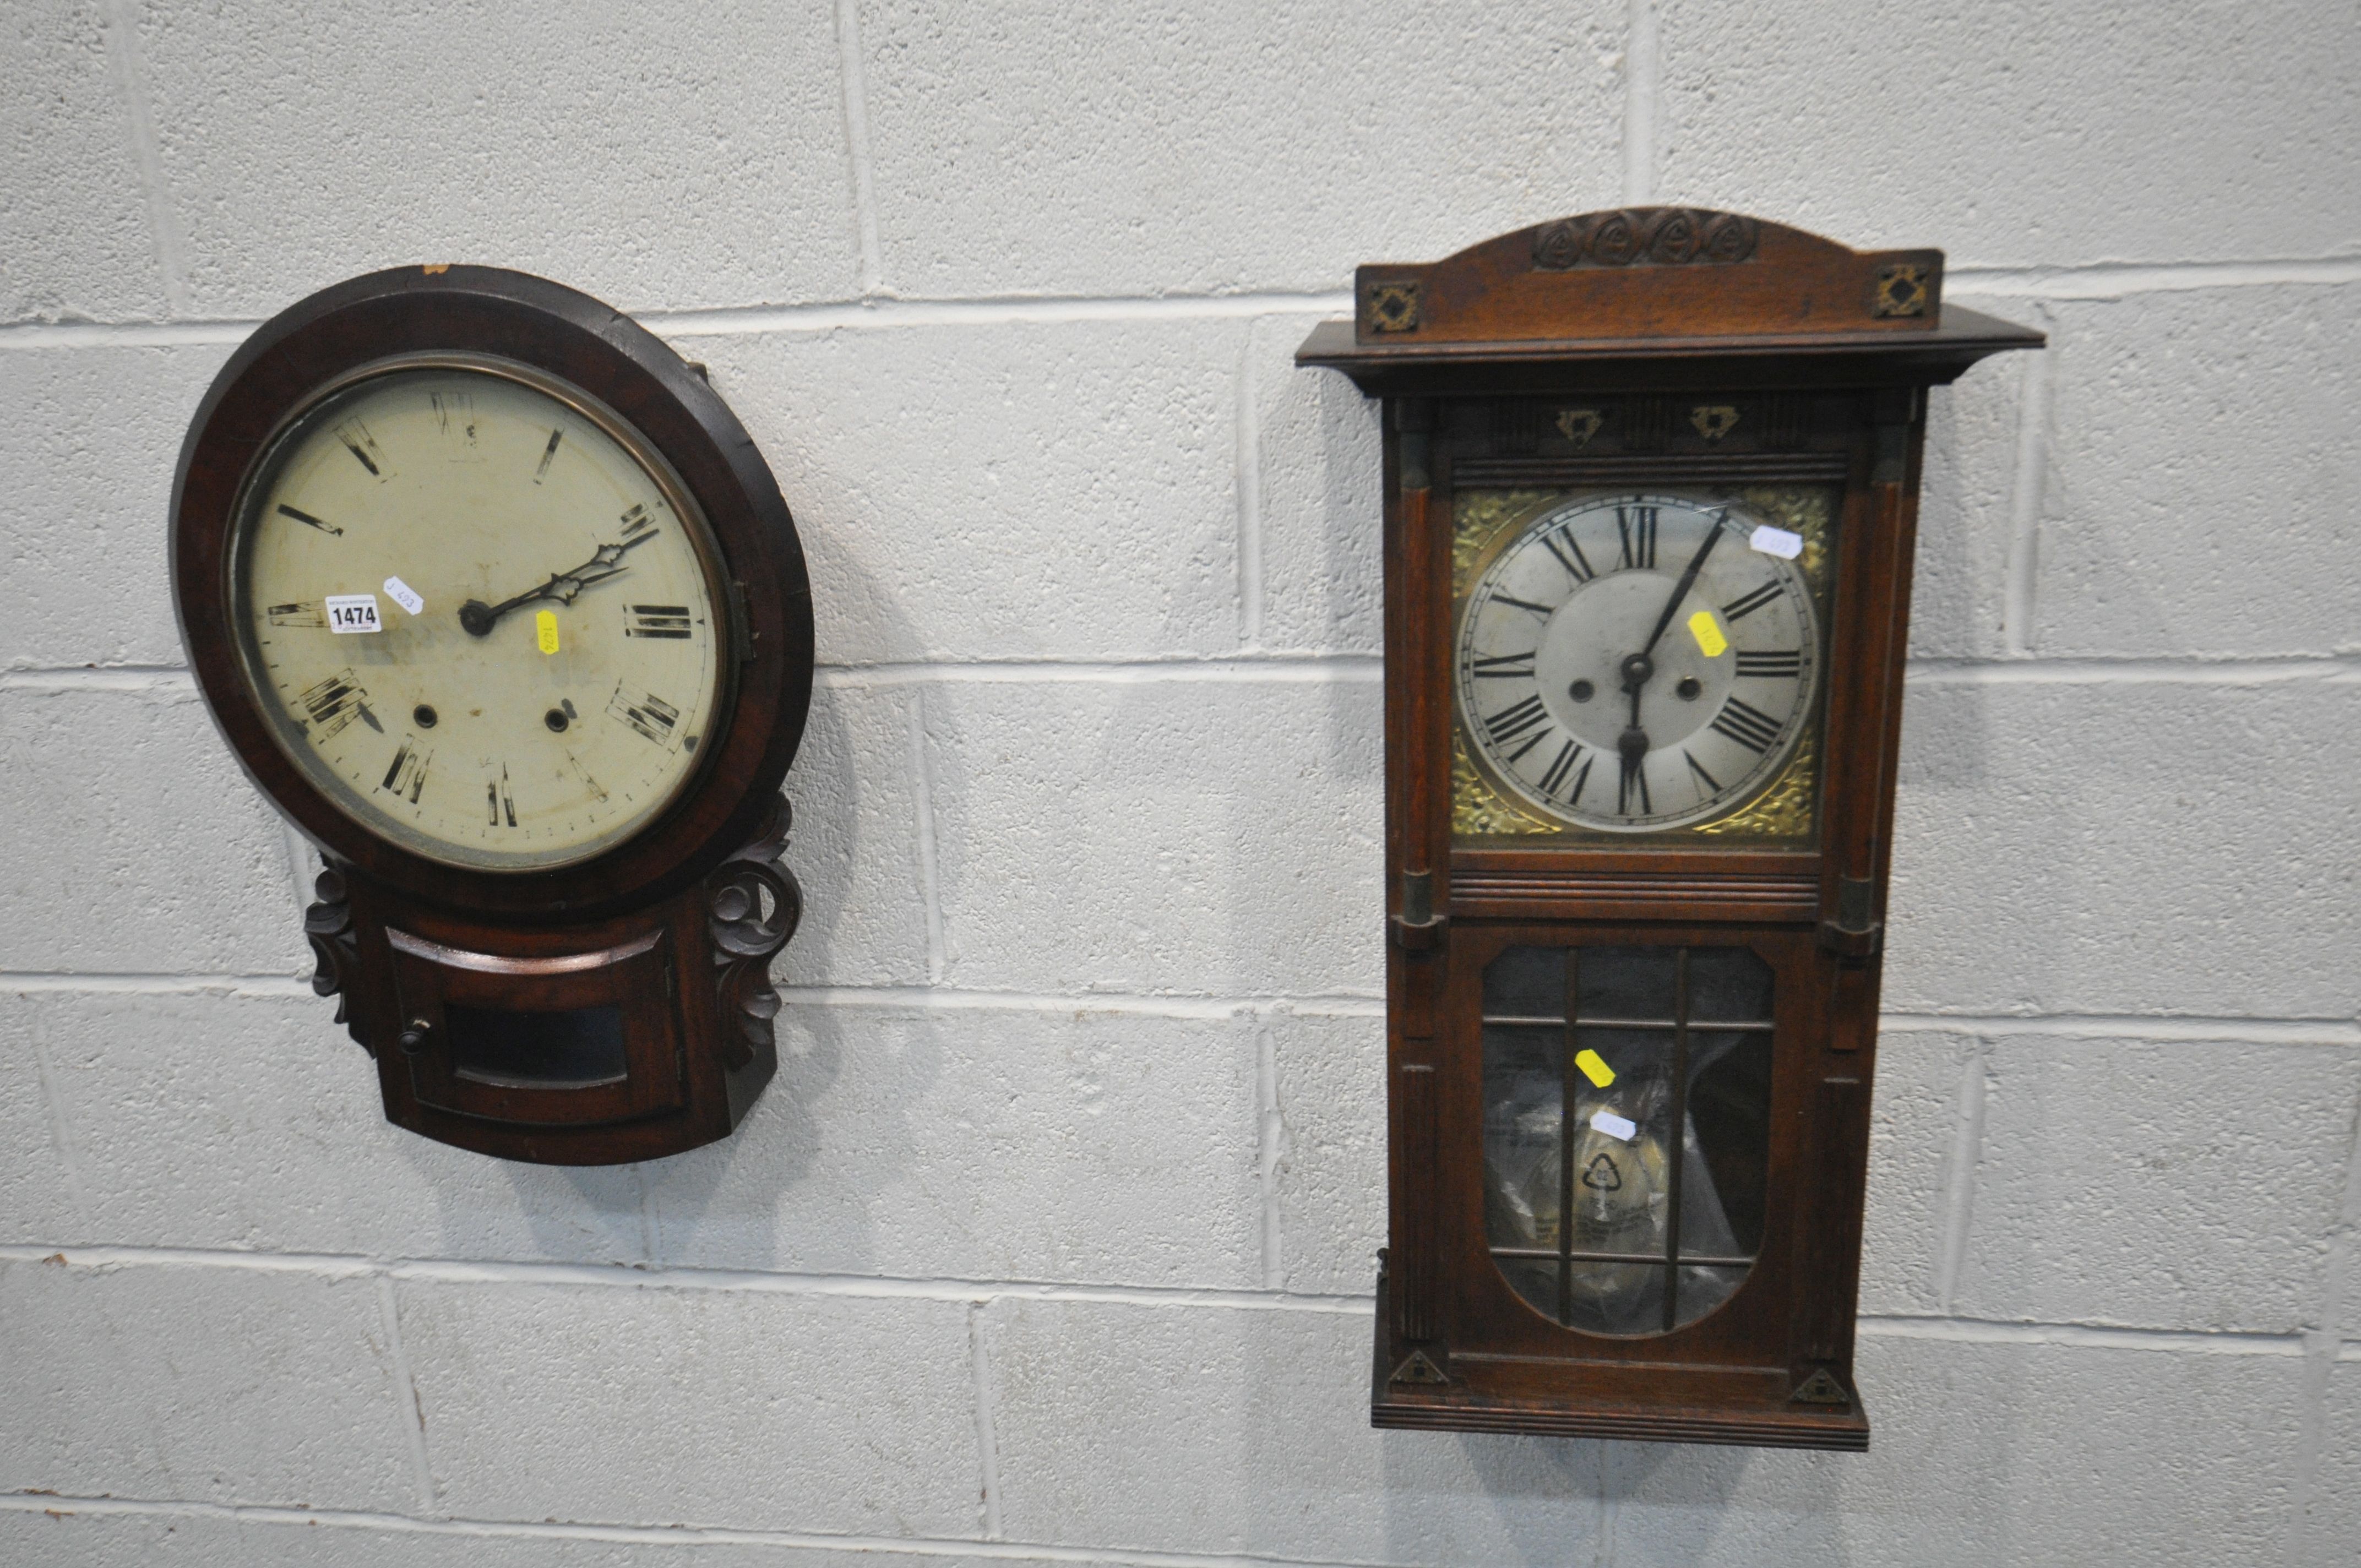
551,334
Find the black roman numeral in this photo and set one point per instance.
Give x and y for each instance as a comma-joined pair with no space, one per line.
635,520
1740,608
1541,609
548,455
1514,720
1631,785
454,415
1578,566
651,716
1637,526
1561,766
406,775
1712,784
1749,727
303,612
360,443
308,520
1786,664
1503,667
597,791
497,801
333,703
656,620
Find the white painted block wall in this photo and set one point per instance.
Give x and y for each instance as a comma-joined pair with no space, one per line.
1052,1241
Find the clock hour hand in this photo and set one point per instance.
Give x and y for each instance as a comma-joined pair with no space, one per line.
1632,744
479,618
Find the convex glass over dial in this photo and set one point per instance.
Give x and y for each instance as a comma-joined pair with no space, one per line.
1638,662
481,614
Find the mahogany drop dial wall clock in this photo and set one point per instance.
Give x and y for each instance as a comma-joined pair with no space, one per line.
494,597
1650,489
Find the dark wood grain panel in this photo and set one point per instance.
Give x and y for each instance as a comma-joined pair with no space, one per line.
666,929
1671,347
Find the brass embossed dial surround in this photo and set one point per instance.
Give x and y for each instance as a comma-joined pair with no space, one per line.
1555,606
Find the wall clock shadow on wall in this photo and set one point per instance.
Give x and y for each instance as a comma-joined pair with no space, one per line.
494,597
1651,498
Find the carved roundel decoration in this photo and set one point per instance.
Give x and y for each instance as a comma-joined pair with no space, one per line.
1656,237
1615,240
490,592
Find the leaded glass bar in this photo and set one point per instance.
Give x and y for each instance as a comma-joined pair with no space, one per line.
1626,1129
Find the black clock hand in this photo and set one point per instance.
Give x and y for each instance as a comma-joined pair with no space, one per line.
1639,667
1632,744
1688,581
479,618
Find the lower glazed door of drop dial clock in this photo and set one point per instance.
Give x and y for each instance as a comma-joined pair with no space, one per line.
573,1040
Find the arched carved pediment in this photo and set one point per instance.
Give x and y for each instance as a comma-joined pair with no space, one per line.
1647,272
1645,236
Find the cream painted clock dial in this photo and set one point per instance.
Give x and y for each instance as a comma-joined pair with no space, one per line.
1638,662
481,614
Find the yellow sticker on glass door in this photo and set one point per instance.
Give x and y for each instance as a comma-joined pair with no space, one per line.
544,628
1708,632
1594,1068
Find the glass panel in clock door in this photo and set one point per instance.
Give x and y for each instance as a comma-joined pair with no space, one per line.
1626,1139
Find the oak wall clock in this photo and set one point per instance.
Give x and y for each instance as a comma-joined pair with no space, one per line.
1652,483
495,599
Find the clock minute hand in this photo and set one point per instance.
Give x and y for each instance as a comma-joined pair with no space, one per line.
479,618
1688,581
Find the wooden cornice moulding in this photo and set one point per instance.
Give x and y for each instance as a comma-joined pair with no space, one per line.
1659,281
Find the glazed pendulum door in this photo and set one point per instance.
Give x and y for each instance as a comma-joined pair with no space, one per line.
1626,1129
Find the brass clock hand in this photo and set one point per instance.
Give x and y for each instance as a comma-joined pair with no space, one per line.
479,618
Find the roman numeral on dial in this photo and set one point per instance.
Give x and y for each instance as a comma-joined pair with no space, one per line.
1541,609
1637,528
406,775
1561,766
308,520
1514,720
362,446
658,620
1632,785
1738,610
333,703
1712,784
454,416
1749,727
1503,665
1569,554
1784,665
652,716
498,802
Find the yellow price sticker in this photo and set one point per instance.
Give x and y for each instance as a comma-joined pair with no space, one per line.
1708,632
1594,1068
544,630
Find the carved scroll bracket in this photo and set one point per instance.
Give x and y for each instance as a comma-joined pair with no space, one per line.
754,905
336,951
